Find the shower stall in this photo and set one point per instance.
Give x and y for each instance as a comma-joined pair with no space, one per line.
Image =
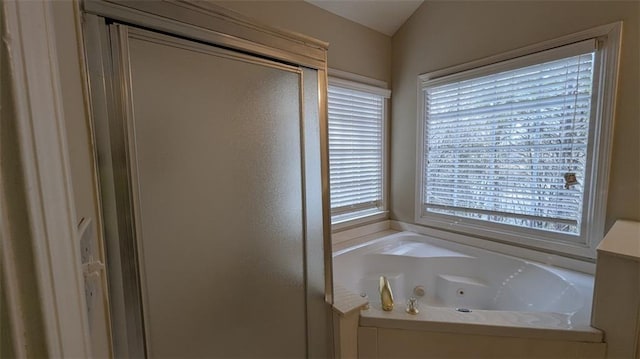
210,136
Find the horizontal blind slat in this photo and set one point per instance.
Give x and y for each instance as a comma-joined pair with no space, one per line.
497,147
355,150
508,119
555,87
558,76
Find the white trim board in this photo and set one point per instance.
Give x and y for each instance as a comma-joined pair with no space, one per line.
44,160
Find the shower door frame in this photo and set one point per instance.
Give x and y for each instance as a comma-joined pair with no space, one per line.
105,47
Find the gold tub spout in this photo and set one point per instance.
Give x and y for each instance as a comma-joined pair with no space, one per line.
386,295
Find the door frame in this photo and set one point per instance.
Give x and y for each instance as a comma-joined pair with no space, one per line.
57,298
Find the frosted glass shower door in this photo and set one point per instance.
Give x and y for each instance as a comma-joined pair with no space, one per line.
216,164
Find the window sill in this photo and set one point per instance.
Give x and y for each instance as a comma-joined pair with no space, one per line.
356,236
354,222
348,232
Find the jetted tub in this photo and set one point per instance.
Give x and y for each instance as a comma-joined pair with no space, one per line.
467,289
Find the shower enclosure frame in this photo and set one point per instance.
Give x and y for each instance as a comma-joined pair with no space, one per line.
209,24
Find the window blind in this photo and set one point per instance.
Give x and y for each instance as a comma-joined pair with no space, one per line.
511,147
355,150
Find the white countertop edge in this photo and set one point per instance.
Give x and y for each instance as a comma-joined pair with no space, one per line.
622,240
345,301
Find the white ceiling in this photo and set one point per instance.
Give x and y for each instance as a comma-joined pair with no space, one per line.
385,16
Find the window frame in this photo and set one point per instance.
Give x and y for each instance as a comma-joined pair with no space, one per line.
608,38
363,84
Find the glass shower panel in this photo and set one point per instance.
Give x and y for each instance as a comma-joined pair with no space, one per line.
215,156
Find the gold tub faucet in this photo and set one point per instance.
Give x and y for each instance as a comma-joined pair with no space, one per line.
386,295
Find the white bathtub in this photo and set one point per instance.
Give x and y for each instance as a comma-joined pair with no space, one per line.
493,290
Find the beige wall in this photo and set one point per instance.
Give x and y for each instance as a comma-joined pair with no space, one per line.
352,47
443,34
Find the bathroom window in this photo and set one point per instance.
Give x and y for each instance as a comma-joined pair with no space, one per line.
357,122
516,150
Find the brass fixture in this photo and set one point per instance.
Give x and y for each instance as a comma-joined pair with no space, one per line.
412,306
364,296
386,295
